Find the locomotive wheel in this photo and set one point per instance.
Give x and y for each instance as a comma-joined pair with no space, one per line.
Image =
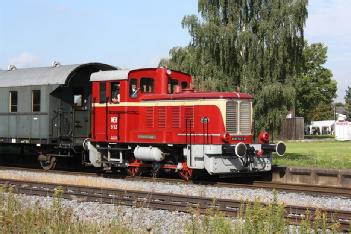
168,170
134,171
155,173
48,164
186,174
155,170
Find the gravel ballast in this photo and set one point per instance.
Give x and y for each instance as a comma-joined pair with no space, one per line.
212,191
141,220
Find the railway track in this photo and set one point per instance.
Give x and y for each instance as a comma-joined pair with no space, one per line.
293,188
171,202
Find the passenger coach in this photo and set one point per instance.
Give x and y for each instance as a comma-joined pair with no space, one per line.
47,109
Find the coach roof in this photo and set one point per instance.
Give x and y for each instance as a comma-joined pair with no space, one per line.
110,75
59,74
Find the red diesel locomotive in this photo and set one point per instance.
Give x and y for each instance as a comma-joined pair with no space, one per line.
152,120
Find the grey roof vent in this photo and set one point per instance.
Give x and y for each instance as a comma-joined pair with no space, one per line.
11,67
55,64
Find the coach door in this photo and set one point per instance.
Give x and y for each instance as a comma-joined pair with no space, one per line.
81,117
61,114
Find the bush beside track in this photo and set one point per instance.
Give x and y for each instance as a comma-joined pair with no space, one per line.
316,137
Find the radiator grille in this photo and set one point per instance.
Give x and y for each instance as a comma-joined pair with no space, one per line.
232,117
162,117
245,118
189,115
175,116
149,117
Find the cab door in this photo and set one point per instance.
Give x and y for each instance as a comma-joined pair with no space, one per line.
114,111
100,112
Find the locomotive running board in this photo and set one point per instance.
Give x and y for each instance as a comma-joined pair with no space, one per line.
118,164
112,149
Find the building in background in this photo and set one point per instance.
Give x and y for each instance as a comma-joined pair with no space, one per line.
323,127
342,129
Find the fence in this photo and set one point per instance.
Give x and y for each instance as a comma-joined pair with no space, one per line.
292,129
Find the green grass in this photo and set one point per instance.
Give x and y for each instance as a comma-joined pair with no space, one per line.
326,154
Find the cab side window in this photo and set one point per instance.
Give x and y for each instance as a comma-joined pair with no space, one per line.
133,88
102,92
184,85
147,85
172,84
115,93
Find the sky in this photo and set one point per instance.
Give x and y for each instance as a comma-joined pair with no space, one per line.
138,33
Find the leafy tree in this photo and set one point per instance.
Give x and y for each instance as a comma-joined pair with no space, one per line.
206,74
315,88
348,102
254,44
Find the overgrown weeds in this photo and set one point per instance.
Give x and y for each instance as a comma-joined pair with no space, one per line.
256,218
252,218
33,218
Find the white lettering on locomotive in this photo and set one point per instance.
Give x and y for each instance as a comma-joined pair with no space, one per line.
114,123
114,119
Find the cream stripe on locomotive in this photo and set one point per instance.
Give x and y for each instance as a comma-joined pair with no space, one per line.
220,103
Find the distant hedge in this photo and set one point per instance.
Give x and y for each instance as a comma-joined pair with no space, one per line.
318,136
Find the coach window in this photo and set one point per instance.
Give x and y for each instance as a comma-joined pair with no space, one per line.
133,88
13,101
35,100
147,85
77,97
115,94
172,84
102,92
184,85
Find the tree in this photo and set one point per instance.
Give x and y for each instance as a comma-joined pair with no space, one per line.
315,88
206,74
254,44
348,102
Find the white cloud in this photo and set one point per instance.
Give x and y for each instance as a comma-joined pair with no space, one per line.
329,22
25,60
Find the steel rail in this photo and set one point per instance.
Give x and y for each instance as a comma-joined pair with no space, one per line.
171,202
316,190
